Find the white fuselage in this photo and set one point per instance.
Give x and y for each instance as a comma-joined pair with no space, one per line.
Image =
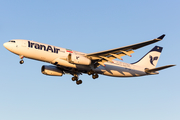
53,54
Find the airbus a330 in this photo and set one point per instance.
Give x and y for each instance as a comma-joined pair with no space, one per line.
66,61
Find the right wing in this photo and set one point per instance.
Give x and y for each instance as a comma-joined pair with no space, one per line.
109,55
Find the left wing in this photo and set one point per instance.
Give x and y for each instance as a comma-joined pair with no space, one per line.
109,55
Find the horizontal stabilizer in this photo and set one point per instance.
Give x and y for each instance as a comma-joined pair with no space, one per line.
161,37
157,69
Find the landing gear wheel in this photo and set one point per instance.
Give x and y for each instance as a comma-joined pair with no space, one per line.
78,82
95,76
74,78
21,62
89,73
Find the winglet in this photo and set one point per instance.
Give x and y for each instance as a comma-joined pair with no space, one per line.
161,37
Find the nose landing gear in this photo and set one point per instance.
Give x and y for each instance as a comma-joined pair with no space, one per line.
21,57
21,62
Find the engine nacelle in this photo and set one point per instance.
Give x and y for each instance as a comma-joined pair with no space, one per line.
78,59
51,70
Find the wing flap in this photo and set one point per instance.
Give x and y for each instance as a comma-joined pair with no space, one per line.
113,56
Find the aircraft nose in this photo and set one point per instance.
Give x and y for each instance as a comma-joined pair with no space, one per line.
5,45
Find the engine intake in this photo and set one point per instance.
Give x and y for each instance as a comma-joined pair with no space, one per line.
51,70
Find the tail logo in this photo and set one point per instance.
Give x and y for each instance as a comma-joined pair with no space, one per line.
152,59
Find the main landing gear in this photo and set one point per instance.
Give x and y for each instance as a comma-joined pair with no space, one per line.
21,57
75,78
94,75
78,82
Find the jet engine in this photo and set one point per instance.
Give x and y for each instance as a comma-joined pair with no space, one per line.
78,59
51,70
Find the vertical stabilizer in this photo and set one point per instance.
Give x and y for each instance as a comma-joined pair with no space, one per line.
150,59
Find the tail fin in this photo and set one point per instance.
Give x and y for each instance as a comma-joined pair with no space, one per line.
150,59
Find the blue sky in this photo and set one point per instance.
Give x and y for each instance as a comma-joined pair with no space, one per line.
89,26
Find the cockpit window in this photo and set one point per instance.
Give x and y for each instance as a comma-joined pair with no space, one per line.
12,41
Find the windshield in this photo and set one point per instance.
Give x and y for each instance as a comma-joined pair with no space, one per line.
12,41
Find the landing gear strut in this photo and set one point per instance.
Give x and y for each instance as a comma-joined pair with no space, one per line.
21,57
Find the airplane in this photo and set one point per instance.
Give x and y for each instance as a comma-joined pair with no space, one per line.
67,61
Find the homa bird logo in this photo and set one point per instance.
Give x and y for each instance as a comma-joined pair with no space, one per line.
77,57
152,59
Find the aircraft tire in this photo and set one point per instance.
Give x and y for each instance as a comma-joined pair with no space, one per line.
21,62
74,78
89,73
96,75
78,82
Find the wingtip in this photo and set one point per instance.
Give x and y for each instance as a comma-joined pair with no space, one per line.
161,37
